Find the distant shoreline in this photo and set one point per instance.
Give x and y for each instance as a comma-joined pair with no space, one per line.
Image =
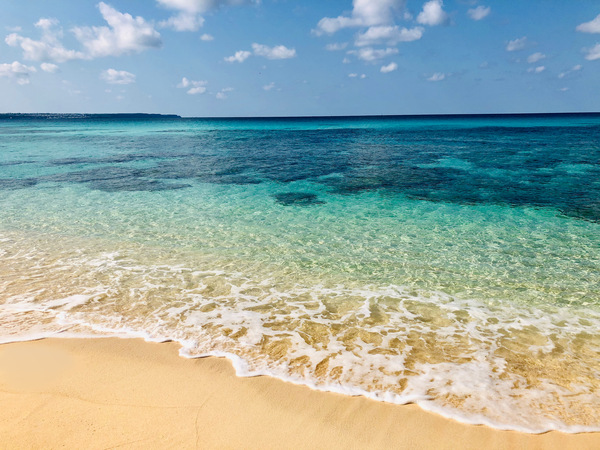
136,116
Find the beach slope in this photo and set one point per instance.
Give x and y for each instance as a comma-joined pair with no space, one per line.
111,393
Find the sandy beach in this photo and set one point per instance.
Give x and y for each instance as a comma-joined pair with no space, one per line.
127,393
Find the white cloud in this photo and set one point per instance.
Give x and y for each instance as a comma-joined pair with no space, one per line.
183,22
538,69
239,56
330,25
48,67
592,53
46,23
277,52
269,86
207,37
346,61
195,87
376,12
565,89
516,44
352,75
222,94
17,71
535,57
189,17
433,13
371,54
479,12
198,6
391,34
124,34
389,68
355,75
575,68
336,46
48,48
365,13
197,90
112,76
592,26
438,76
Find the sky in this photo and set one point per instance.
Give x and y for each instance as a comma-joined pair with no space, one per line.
214,58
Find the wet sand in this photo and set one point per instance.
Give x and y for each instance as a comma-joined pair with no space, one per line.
127,393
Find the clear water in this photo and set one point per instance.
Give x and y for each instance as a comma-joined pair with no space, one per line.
452,262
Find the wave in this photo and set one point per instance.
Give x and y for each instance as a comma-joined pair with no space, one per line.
499,363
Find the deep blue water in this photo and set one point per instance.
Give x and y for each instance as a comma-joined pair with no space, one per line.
540,161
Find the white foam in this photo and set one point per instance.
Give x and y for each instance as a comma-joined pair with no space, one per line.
253,311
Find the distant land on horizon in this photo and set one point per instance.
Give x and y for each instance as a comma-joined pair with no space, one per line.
134,116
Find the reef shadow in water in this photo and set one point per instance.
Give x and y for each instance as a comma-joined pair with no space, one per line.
114,179
11,184
297,199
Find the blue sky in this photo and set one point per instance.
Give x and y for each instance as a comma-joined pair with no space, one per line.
284,57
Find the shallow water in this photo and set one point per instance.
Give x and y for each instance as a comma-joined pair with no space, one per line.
452,262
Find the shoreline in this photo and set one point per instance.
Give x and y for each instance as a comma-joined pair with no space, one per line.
107,392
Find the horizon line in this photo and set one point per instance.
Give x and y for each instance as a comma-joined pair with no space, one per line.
352,116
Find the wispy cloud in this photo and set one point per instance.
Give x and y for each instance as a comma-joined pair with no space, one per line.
575,68
336,46
516,44
538,69
188,16
391,35
239,56
222,94
371,54
112,76
193,87
183,22
17,71
479,12
199,6
48,48
592,53
593,26
49,67
389,68
438,76
277,52
535,57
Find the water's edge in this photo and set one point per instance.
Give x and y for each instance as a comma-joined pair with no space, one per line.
242,370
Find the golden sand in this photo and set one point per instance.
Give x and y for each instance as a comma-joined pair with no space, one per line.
127,393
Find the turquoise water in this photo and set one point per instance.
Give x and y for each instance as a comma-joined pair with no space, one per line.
448,261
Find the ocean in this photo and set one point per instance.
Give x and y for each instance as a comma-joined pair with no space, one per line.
448,261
